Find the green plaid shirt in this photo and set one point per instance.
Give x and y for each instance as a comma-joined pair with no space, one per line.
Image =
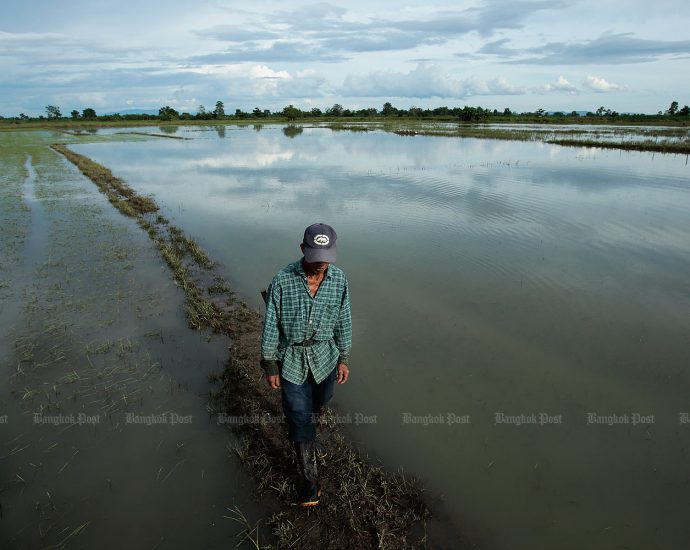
293,315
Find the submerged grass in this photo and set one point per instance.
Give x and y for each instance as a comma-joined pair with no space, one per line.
679,142
121,195
57,359
154,135
363,506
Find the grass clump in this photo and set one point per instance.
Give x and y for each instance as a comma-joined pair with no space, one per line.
121,195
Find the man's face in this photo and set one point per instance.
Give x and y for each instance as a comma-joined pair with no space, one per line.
318,267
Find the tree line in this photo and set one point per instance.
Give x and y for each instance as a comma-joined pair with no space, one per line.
292,113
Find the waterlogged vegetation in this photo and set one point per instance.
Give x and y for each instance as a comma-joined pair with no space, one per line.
629,138
88,330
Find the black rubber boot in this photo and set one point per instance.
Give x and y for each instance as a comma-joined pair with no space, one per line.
308,487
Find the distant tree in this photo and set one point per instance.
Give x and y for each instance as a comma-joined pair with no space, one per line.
466,114
167,113
22,116
267,112
239,113
574,113
685,111
540,112
219,111
673,109
601,111
88,113
291,113
74,114
258,113
316,112
388,109
201,111
415,111
473,114
53,112
507,112
336,110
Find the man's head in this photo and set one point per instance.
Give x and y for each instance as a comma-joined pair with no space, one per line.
318,244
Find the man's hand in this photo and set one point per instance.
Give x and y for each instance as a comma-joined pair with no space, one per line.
343,373
273,380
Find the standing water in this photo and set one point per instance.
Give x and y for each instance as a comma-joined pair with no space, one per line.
520,310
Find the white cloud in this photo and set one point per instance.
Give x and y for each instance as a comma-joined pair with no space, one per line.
424,81
97,99
262,71
561,85
28,37
600,85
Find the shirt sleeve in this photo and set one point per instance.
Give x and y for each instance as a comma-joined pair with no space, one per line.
270,335
342,334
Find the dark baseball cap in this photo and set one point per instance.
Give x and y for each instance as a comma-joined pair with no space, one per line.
319,243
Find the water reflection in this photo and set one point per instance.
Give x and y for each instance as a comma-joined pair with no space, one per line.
292,131
169,129
486,277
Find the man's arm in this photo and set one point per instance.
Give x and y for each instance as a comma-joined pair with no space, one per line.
270,335
342,333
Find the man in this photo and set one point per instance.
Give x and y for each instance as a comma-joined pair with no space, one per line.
306,340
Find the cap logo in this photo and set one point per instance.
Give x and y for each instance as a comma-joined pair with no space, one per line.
321,240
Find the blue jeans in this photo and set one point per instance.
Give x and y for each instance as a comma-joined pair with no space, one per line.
301,403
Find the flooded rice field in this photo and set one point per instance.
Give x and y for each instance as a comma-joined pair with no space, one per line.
520,314
105,440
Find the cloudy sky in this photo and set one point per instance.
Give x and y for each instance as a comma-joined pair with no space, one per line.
627,55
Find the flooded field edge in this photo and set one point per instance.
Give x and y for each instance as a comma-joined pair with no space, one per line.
91,335
382,509
669,138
